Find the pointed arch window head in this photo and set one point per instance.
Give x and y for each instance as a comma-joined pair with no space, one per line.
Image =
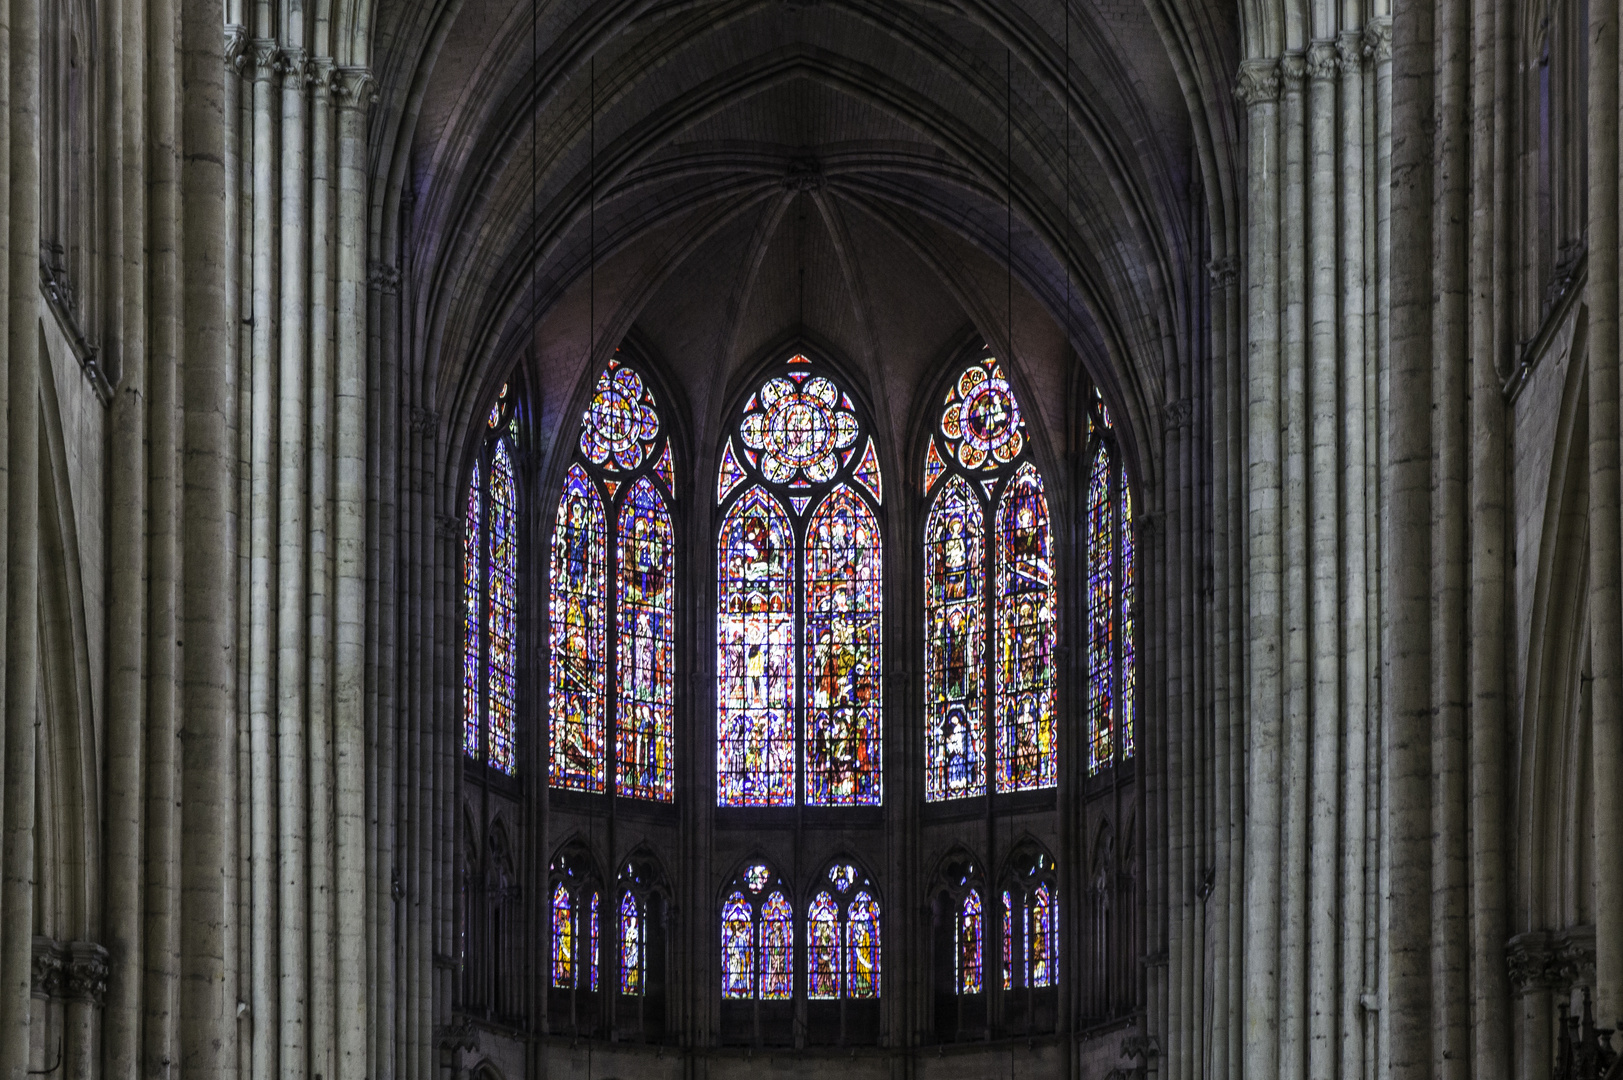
843,937
613,600
968,951
757,937
799,711
991,602
575,919
1110,700
490,558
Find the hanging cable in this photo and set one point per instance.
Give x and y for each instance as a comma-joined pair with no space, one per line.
591,216
1008,193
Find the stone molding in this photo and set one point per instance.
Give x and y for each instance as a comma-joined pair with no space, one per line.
1378,39
1323,64
1258,83
1545,960
74,971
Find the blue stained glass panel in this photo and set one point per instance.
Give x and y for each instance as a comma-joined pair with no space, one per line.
579,599
1024,699
954,635
645,644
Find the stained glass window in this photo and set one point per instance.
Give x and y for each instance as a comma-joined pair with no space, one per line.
490,596
633,945
1110,698
968,952
563,937
823,948
844,636
737,948
757,938
613,665
799,700
955,621
1030,923
862,934
990,601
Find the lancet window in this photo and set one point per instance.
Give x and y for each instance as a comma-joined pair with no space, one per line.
575,910
1110,699
613,599
490,595
961,918
990,601
799,637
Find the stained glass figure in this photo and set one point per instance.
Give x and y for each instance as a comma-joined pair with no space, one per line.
983,419
1009,941
1024,700
645,644
777,948
1101,612
730,475
755,751
563,938
844,636
799,429
613,665
867,473
633,945
737,948
955,621
799,697
968,952
590,943
823,948
620,422
757,877
473,567
862,934
1040,949
1129,670
579,636
843,875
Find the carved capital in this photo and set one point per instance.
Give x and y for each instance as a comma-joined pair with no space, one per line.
1527,961
86,973
45,976
266,57
423,420
294,67
236,47
1378,39
1350,52
1321,61
383,277
355,88
1223,272
803,174
1292,70
1258,83
321,74
459,1034
448,526
1178,414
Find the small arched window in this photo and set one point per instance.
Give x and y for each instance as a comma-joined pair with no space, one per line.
1110,702
575,904
842,938
988,562
1030,923
757,938
799,620
490,558
613,599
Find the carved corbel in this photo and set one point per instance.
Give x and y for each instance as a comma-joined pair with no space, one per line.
236,47
1258,83
1223,272
384,278
1292,71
